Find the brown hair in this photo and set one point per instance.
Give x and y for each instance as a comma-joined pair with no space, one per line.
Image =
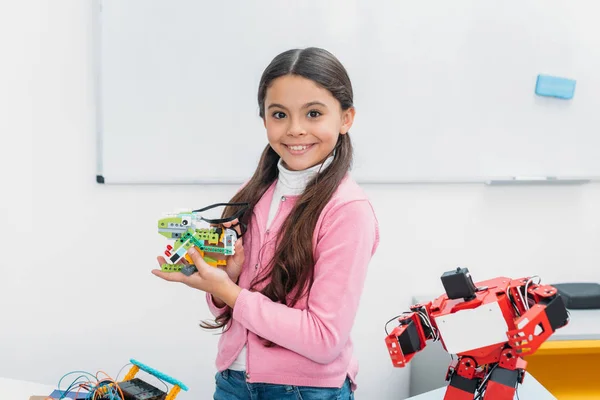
291,269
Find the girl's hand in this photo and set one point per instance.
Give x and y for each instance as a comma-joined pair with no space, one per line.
208,279
236,261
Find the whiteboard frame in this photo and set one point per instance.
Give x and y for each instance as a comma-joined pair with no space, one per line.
100,179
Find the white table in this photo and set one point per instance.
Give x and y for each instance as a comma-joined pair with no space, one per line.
530,389
13,389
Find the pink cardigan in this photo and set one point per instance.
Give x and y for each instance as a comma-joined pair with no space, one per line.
313,344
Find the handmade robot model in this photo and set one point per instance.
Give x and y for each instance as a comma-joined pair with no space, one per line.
213,241
90,386
133,388
490,326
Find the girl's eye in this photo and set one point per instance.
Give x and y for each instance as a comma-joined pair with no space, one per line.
314,114
278,115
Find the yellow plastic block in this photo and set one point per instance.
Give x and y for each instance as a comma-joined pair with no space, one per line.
132,372
173,393
570,370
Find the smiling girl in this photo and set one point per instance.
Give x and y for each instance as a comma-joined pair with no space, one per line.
288,299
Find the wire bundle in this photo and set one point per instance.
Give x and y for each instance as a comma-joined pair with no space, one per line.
425,320
93,386
524,299
435,334
481,388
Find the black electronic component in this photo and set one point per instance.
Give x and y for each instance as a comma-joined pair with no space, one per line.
556,311
409,339
137,389
459,284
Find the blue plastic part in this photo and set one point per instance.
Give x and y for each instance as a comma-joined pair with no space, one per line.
553,86
159,374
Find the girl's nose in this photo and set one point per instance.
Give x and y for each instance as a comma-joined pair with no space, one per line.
296,129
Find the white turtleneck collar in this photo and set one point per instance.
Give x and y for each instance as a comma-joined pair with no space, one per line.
294,182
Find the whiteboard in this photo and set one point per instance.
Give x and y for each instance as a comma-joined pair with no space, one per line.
444,90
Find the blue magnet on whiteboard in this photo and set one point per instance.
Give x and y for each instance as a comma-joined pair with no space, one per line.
552,86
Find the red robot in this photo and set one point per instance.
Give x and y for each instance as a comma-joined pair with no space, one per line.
513,318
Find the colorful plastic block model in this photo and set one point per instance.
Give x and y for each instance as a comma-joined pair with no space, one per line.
211,239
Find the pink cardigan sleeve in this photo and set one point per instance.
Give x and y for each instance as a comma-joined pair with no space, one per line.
342,256
216,311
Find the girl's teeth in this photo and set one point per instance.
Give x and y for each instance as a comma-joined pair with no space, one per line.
298,148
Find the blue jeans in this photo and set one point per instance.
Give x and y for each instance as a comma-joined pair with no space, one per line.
232,385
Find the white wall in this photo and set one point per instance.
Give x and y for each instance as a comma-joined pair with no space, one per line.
76,290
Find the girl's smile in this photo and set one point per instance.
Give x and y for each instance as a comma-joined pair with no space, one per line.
300,149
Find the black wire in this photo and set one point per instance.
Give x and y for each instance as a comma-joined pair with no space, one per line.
220,205
483,385
386,324
480,394
222,220
397,316
512,301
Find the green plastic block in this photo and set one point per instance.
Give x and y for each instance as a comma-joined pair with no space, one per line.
164,222
209,260
213,249
170,267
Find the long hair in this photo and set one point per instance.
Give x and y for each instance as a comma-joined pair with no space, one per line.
289,274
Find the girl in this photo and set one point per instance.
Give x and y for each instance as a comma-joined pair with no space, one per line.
288,298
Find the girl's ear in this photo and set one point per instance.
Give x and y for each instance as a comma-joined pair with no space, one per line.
347,120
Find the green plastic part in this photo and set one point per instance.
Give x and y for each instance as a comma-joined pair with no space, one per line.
191,240
212,249
171,267
207,234
164,222
209,260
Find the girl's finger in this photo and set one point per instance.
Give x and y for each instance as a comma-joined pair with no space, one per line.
235,224
238,245
199,262
228,224
169,276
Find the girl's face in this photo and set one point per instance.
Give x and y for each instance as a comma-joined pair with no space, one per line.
303,121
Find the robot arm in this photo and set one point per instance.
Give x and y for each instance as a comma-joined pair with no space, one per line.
541,312
410,337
